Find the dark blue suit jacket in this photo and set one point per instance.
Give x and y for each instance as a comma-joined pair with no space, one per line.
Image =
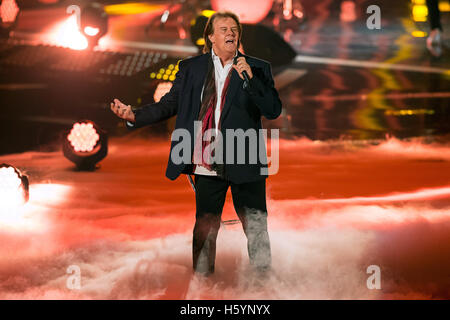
243,109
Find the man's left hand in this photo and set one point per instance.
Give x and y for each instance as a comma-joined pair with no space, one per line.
241,66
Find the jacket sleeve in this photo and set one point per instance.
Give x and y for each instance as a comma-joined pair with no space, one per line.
263,93
162,110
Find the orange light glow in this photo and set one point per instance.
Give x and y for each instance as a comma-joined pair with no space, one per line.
287,9
348,13
298,13
444,6
31,216
66,34
11,193
83,137
161,90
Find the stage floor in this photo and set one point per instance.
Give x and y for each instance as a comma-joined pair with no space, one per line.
335,208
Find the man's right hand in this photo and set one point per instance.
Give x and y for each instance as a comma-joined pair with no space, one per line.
122,111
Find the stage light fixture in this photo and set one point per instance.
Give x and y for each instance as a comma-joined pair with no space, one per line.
85,145
14,186
93,23
9,11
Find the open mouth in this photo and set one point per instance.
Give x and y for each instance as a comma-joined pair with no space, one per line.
229,41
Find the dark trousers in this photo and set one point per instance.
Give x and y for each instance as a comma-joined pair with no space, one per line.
434,14
249,201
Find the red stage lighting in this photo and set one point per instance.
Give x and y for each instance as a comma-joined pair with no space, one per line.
85,145
13,186
8,16
9,11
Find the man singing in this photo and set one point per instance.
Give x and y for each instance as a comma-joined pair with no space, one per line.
213,88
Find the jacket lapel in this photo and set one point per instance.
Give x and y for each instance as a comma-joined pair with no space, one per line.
235,83
201,71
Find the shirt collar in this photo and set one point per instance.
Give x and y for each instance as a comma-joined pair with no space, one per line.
215,57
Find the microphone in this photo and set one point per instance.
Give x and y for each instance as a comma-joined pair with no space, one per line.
244,74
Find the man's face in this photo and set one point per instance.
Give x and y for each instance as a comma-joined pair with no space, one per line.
225,36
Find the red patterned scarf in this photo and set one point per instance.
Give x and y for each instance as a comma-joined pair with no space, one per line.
207,116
